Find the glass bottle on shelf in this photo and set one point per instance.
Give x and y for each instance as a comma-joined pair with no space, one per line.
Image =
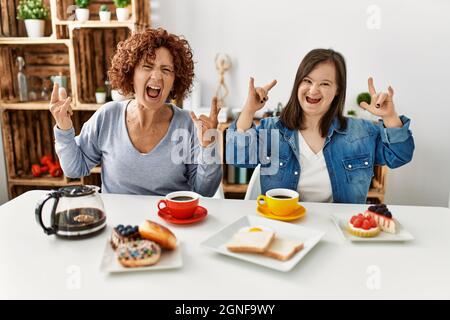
46,87
22,80
108,90
35,88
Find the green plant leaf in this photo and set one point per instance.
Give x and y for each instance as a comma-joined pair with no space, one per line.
32,9
364,96
122,3
82,4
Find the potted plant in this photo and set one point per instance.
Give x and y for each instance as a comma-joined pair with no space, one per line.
352,113
33,13
100,95
105,14
82,12
363,97
116,95
122,11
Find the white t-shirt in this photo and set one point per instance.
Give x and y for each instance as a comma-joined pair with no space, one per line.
314,184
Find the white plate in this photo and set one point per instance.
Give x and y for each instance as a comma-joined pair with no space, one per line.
401,234
169,260
309,237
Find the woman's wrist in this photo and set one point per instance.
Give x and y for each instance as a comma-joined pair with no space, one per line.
245,120
392,121
64,128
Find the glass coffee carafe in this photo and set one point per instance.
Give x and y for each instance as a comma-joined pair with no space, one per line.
77,212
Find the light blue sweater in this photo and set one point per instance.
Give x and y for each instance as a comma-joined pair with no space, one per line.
166,168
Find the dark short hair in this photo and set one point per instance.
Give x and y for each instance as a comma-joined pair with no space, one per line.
292,115
143,46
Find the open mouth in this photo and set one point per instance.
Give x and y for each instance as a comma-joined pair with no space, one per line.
312,101
153,91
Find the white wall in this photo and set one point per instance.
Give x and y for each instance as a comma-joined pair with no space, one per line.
267,39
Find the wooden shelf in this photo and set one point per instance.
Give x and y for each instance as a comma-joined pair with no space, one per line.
96,24
43,105
26,40
82,52
33,105
87,106
234,188
96,170
44,181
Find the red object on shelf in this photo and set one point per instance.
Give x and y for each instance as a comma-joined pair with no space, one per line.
38,170
54,168
47,159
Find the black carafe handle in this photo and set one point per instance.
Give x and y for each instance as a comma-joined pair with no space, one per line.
38,211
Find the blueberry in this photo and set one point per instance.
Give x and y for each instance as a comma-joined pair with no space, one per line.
372,208
136,229
128,227
120,226
388,214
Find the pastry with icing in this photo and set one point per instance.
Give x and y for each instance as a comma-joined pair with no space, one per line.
138,253
124,234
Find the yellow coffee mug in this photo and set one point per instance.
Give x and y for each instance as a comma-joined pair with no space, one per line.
280,202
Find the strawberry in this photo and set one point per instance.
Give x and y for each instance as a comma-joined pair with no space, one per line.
373,223
358,222
366,225
353,219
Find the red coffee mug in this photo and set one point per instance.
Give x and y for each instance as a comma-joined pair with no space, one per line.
181,204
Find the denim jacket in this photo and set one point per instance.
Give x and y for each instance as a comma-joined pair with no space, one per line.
350,154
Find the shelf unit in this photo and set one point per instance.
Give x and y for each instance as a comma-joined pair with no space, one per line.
82,52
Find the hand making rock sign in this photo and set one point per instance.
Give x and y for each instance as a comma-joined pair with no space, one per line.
382,105
60,108
206,123
256,99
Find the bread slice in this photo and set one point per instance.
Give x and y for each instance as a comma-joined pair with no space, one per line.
252,242
283,249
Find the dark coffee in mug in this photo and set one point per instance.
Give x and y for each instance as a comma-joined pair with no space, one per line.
281,197
182,198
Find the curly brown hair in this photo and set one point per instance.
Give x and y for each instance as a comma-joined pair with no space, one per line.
142,46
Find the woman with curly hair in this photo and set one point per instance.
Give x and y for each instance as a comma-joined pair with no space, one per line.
137,141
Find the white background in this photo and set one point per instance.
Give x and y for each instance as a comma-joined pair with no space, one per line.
267,40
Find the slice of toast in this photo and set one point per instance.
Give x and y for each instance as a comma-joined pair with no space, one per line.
283,249
252,242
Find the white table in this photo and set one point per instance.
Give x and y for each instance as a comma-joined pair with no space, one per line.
34,265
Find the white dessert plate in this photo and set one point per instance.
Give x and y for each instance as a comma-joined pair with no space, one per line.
401,234
169,260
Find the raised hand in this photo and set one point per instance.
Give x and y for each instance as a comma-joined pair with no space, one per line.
204,123
60,108
257,97
382,103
